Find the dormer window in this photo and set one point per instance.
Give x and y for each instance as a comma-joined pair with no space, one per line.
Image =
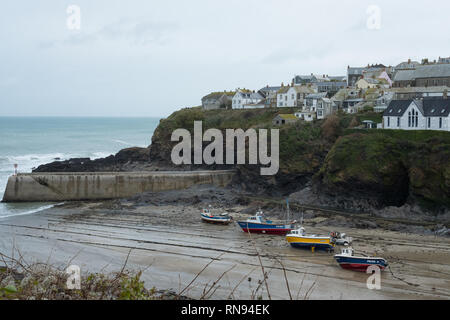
432,110
400,110
443,110
390,111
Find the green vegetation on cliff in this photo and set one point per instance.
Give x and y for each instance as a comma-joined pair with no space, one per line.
390,167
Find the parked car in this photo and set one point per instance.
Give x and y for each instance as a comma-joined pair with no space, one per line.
341,239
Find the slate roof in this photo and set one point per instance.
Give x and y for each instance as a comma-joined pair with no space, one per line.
270,89
316,95
251,95
424,71
436,107
433,71
420,89
283,89
407,65
217,95
428,107
404,75
303,89
338,78
305,77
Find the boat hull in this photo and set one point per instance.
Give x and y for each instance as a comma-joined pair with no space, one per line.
309,242
360,263
264,228
216,220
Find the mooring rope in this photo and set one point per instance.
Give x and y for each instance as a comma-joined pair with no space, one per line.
400,279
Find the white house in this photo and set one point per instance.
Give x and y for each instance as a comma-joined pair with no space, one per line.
245,97
282,97
325,107
311,101
426,114
382,102
293,96
306,115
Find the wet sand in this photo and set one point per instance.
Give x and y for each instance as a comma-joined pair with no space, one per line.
172,245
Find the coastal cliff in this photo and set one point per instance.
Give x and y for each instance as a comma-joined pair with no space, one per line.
332,163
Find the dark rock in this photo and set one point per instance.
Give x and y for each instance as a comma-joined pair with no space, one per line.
122,161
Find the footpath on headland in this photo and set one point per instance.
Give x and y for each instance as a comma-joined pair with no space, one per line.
73,186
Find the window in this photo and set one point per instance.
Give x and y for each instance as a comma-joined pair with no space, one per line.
440,123
293,96
389,121
398,121
413,118
429,122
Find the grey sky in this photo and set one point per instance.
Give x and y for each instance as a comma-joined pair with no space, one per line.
149,58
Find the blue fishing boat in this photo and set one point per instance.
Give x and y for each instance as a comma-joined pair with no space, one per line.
258,224
348,260
223,218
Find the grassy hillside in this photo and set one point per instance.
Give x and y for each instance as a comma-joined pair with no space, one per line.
388,166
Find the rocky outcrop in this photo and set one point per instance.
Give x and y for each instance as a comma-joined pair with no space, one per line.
125,160
380,170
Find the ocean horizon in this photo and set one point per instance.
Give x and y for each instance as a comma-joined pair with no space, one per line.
33,141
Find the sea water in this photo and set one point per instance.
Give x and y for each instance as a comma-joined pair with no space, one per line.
32,141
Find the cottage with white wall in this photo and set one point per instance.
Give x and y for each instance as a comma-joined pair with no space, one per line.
312,100
282,97
325,107
306,115
426,114
245,97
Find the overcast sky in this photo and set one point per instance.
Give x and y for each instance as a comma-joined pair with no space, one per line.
149,58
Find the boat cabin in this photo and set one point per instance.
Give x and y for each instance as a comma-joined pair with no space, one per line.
299,232
256,219
207,212
347,252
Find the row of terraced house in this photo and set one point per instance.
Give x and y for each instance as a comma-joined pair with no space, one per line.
412,95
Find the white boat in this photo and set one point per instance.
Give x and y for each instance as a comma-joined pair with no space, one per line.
222,218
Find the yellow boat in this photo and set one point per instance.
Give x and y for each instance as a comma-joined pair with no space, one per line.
298,239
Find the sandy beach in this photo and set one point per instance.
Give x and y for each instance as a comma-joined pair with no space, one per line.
172,246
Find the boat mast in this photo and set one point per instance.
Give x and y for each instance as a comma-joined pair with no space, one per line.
287,212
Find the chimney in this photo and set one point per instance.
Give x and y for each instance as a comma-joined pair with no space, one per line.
409,61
